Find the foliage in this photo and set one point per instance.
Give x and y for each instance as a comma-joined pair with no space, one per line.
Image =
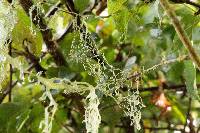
99,66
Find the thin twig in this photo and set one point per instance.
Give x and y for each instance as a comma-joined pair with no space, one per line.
70,6
53,9
163,128
181,32
101,7
31,58
164,62
11,72
192,3
172,87
188,113
63,125
153,128
69,12
6,91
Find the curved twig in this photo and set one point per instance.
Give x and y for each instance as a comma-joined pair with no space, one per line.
181,32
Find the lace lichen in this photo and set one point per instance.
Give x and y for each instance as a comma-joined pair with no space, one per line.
108,78
39,10
92,115
7,23
50,111
65,85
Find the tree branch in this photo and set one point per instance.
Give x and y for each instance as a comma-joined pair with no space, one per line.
163,128
181,32
165,87
70,6
31,58
187,2
153,128
46,32
188,113
101,7
164,62
192,3
53,9
6,91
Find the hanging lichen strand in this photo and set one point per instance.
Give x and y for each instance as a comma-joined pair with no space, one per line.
132,104
39,10
50,110
108,79
7,22
92,115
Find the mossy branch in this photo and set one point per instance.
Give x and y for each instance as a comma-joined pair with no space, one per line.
181,32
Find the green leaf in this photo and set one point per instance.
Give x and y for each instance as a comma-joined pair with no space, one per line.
22,31
58,22
81,5
8,118
110,54
190,79
173,75
195,35
8,59
153,12
121,20
22,118
120,14
61,72
115,5
35,117
178,112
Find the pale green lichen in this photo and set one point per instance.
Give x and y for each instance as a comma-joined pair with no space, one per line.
65,85
39,9
50,111
108,79
132,104
92,115
7,23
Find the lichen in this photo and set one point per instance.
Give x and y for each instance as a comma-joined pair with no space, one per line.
50,111
7,23
92,115
109,79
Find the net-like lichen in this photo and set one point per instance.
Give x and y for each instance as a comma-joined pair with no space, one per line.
92,115
109,79
7,23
